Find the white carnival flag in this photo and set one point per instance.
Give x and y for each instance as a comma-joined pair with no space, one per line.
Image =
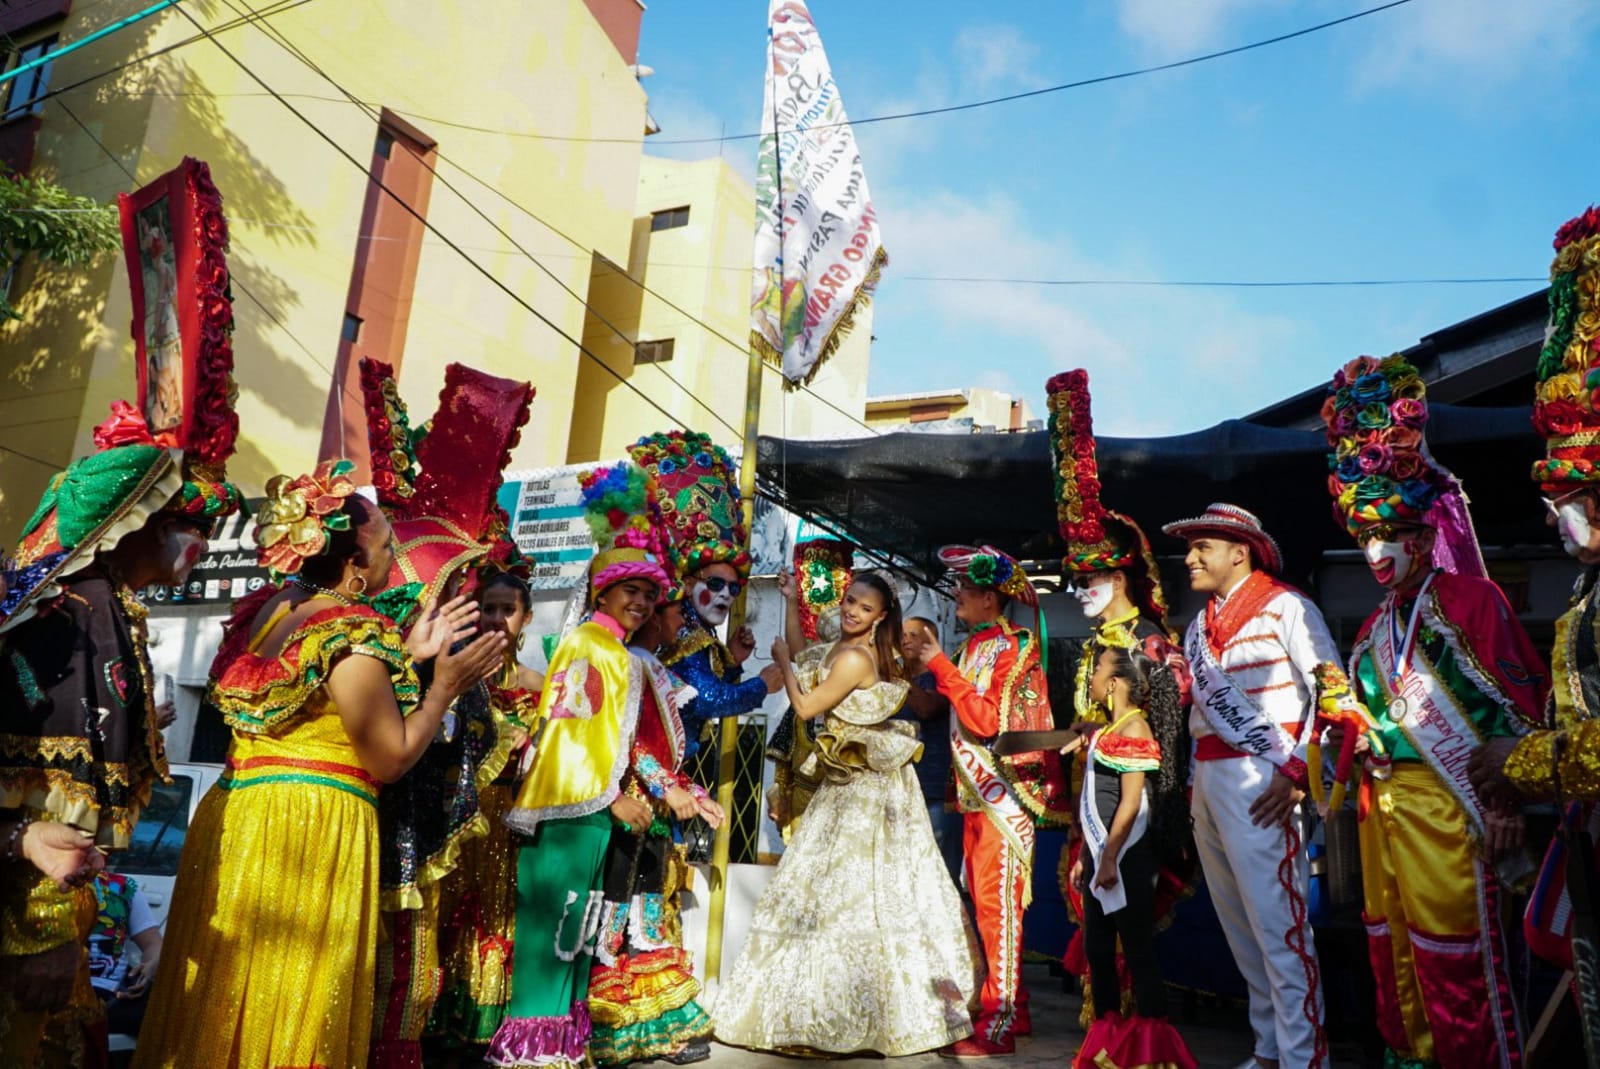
817,250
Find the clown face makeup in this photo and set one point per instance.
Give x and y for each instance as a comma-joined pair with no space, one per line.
1397,555
1572,523
1094,593
712,594
180,551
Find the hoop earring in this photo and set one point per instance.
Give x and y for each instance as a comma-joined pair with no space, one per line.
521,637
357,579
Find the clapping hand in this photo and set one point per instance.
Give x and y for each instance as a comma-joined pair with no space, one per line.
439,627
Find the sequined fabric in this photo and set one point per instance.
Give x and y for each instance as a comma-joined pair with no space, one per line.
478,911
271,938
859,942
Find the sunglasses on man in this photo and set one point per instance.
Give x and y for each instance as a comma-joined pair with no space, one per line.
716,584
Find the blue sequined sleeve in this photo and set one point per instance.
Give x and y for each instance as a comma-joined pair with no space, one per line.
717,697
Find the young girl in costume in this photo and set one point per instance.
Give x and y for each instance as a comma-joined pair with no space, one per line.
859,942
1116,872
571,796
271,943
478,908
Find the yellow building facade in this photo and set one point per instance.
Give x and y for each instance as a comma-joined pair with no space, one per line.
527,110
693,229
979,407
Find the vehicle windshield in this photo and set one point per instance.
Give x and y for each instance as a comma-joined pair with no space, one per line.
158,837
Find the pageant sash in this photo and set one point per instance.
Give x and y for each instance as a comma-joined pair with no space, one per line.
1232,715
981,779
1427,713
1095,832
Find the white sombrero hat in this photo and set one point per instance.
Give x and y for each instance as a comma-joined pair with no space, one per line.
1236,525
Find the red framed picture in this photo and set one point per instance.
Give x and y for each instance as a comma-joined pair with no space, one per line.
174,240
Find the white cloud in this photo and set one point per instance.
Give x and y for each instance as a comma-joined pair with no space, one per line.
1161,361
992,55
1174,30
1491,41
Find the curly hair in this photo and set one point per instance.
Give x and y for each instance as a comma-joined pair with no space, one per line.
1153,688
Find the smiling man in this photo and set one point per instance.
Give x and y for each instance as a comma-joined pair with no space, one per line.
1255,651
1442,665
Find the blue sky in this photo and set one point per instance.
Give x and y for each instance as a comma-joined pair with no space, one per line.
1441,138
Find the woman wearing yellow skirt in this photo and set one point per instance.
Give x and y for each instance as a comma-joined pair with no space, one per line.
269,952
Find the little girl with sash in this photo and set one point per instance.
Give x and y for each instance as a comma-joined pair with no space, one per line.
1117,871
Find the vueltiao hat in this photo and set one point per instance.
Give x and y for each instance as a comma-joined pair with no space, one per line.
1098,540
1234,524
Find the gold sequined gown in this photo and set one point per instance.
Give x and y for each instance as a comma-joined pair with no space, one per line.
859,942
271,941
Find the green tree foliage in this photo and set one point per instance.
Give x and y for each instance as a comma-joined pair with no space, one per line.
62,227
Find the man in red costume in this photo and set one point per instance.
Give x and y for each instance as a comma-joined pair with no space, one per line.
998,685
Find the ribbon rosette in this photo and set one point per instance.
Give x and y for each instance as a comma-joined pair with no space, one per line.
300,515
126,426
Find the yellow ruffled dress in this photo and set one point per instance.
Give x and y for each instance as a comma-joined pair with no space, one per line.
271,939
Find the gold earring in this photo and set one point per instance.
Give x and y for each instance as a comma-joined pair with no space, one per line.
521,636
357,579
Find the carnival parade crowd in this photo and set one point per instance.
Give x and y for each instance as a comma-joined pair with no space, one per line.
418,843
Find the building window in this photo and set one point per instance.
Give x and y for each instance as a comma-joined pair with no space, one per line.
652,352
385,144
351,331
28,89
670,219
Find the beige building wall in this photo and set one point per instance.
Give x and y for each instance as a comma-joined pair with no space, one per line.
702,268
983,406
295,206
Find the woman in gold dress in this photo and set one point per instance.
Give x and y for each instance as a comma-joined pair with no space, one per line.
270,946
859,942
480,898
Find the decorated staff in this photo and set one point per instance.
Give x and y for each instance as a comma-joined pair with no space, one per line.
439,491
1442,665
1255,652
1112,573
996,686
135,513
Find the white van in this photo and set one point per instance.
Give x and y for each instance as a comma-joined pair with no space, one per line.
152,857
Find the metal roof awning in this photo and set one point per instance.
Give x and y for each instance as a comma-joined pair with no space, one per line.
909,494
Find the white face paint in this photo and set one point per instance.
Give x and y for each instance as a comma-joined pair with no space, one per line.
711,605
1572,522
1094,598
180,551
1391,562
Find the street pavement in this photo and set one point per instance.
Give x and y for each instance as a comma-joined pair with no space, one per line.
1219,1037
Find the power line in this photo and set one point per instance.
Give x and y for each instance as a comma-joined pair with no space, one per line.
283,41
340,149
1233,284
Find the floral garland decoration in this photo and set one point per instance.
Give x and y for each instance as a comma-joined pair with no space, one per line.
216,422
300,516
394,455
1566,408
1379,470
697,501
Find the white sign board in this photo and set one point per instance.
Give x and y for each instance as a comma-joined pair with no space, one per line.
547,524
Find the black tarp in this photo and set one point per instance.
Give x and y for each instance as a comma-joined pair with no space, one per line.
910,493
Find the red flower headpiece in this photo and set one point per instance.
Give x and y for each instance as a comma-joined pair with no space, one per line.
300,516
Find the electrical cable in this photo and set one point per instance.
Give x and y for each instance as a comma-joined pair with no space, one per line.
340,149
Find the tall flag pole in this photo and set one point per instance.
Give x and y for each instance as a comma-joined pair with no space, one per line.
818,251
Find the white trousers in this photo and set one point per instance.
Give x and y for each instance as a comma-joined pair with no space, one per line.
1258,887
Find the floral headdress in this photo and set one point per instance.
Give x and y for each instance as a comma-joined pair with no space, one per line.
300,516
1380,469
1098,540
1566,409
991,569
823,570
698,500
616,504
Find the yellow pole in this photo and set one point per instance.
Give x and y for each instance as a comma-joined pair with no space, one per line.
728,739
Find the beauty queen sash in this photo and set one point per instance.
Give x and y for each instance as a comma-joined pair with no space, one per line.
1424,710
1232,715
980,777
1095,832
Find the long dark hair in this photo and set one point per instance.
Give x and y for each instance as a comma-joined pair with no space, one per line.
886,641
327,568
1153,688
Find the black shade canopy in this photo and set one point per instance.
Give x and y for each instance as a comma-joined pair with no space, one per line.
911,493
